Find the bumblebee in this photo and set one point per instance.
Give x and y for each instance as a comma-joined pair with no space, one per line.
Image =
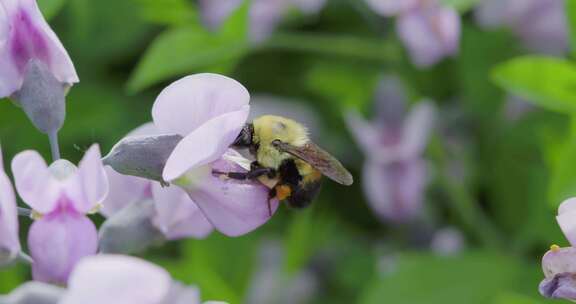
287,161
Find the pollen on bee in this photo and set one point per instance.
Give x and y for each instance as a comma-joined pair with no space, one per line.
283,192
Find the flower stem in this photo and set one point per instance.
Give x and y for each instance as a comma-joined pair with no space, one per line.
24,212
54,147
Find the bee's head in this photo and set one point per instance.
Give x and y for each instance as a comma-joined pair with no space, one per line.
246,137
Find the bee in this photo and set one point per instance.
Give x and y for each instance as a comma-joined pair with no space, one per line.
287,161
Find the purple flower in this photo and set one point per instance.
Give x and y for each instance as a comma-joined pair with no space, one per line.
429,30
395,174
198,118
60,195
25,35
9,240
540,24
264,15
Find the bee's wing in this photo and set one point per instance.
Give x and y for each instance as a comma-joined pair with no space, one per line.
319,159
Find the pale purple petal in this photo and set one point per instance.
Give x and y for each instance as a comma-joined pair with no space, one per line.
182,294
559,260
9,241
561,286
395,191
29,36
33,292
192,101
177,215
34,182
205,144
123,190
430,34
447,241
390,102
233,207
265,15
544,28
57,242
367,136
92,182
215,12
117,279
492,13
567,219
146,129
418,126
389,8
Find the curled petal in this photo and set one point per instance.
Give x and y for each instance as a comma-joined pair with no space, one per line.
192,101
117,279
30,37
233,207
561,286
34,293
130,230
559,260
205,144
34,182
177,215
417,128
430,34
395,191
57,242
9,241
124,190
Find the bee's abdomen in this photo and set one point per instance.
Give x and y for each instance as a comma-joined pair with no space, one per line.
303,195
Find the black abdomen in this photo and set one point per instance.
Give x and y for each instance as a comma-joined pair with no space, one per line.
303,193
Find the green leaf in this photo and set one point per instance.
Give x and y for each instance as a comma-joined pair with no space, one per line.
461,5
50,8
237,24
171,12
547,82
469,278
571,16
184,50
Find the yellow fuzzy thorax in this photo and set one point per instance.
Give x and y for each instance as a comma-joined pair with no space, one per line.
268,128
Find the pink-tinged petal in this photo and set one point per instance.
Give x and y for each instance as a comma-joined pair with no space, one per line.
559,260
215,12
29,36
265,15
430,34
117,279
147,129
389,8
417,129
93,182
544,28
123,190
233,207
205,144
34,182
367,136
395,191
9,241
390,100
177,215
567,219
192,101
57,242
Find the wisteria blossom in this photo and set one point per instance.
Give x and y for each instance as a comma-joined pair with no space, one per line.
540,24
112,279
264,15
559,264
206,112
9,240
429,30
60,196
36,69
395,173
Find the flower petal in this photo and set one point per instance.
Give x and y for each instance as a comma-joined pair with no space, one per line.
561,286
215,12
389,8
30,37
146,129
233,207
177,215
34,182
192,101
9,240
567,219
367,136
34,293
390,102
117,279
205,144
124,190
93,182
559,260
417,128
57,242
182,294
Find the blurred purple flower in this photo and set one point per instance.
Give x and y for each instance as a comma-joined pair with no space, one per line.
395,173
447,241
540,24
264,15
60,195
36,69
429,30
9,240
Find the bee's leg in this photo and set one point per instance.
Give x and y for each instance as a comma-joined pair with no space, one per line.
252,174
271,195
